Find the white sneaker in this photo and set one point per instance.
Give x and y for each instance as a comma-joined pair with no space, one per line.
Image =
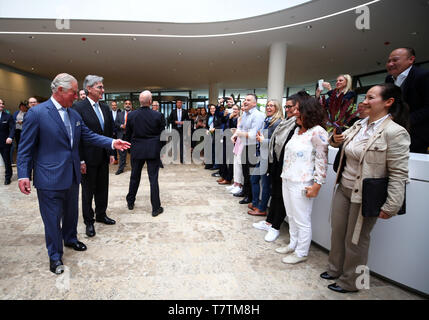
285,250
272,235
229,188
262,225
293,259
236,190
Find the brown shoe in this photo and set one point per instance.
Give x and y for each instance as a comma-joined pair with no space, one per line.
256,212
225,182
115,162
220,180
251,207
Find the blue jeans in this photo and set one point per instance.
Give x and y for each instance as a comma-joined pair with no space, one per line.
266,191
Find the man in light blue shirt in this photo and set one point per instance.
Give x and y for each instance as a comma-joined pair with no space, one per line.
252,121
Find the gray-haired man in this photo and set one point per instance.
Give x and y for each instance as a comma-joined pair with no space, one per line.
95,160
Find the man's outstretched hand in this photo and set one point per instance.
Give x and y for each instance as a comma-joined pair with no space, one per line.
119,144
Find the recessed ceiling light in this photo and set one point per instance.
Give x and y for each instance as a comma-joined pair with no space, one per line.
11,50
97,51
323,47
134,38
32,68
309,27
13,61
414,33
233,42
31,37
179,53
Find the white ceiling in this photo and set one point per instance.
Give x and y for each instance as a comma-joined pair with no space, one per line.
140,55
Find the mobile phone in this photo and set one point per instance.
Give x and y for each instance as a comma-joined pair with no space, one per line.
304,192
338,130
321,84
230,110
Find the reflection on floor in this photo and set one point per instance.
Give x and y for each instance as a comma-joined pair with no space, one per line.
202,247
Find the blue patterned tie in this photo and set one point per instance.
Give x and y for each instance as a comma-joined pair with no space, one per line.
67,124
100,118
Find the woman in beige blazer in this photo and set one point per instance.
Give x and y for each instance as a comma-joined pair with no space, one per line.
375,147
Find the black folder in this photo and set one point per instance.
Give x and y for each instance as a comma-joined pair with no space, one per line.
374,195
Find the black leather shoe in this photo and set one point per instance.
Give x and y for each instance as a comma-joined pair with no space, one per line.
213,168
216,174
337,288
130,206
56,266
245,201
7,181
90,230
105,220
157,212
326,276
78,246
119,172
240,195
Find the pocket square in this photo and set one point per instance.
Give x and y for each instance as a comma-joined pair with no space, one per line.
78,124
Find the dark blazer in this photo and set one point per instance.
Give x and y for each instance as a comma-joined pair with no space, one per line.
120,120
415,91
144,127
217,121
45,140
173,117
7,128
115,130
95,155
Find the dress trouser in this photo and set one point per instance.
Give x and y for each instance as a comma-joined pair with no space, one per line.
246,166
277,213
136,171
238,170
5,153
59,211
122,160
95,185
344,256
298,210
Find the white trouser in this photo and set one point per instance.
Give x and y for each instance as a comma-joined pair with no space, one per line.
238,171
298,209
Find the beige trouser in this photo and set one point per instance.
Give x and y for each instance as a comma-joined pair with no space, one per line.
344,256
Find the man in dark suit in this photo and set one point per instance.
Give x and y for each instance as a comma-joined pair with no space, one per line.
115,112
50,142
144,127
415,88
176,119
155,107
120,125
95,160
7,131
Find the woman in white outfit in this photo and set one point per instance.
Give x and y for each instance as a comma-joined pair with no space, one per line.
304,171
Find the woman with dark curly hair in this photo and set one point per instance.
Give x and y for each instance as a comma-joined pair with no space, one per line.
304,171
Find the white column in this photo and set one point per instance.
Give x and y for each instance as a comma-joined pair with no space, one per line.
213,93
277,71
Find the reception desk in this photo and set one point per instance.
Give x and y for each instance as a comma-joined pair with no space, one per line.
399,246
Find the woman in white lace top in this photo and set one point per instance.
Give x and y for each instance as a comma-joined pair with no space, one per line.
304,171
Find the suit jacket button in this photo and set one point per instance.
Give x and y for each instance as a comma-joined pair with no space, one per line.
356,191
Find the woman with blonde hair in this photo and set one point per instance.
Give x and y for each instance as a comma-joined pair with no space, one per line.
274,115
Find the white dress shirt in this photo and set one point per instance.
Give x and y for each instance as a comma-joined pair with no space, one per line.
401,78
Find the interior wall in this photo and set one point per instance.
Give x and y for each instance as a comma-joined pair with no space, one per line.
17,86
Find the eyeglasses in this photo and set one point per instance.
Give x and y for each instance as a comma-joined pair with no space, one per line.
99,87
288,107
271,105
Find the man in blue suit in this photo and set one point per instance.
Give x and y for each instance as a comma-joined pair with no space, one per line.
50,138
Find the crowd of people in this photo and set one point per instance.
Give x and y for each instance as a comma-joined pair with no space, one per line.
276,160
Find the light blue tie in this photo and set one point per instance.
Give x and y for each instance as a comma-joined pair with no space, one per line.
100,118
67,124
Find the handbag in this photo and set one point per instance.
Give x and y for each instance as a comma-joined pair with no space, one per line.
374,195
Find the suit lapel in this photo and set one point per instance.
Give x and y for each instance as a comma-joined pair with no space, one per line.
93,115
55,115
375,137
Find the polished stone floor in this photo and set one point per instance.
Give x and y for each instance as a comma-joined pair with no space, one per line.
202,247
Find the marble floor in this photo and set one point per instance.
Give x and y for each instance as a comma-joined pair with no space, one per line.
202,247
